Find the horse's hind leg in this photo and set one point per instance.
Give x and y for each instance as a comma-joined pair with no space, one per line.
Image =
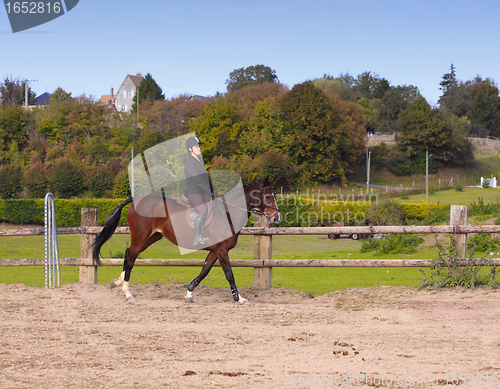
209,262
131,255
124,278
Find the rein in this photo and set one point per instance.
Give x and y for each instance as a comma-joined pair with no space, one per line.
253,210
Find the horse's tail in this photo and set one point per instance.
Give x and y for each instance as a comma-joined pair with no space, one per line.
108,229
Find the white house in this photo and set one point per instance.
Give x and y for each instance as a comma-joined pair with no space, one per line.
123,99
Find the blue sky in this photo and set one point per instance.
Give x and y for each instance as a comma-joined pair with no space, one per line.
191,46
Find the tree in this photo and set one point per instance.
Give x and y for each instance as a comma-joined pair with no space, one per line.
219,128
148,90
324,131
371,86
67,179
394,101
10,181
258,74
458,100
485,113
448,81
13,92
343,85
422,129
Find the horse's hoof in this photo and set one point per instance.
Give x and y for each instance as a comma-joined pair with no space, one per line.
131,299
188,300
112,284
244,302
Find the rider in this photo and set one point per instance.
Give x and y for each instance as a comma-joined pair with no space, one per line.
198,186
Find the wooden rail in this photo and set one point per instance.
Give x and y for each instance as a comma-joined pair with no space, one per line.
262,262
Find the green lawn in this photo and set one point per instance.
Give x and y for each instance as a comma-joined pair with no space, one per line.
451,196
311,280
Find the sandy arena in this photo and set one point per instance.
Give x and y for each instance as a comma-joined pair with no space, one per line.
89,337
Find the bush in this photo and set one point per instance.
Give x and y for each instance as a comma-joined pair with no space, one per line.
67,179
393,244
37,181
404,194
68,212
483,242
482,209
121,185
389,213
448,271
459,187
99,179
11,181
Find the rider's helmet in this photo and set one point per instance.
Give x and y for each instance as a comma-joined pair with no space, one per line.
193,141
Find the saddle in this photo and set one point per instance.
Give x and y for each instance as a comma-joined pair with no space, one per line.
192,214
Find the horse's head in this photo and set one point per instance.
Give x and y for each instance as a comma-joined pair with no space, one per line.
263,199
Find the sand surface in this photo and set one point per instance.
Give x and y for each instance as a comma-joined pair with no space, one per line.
89,336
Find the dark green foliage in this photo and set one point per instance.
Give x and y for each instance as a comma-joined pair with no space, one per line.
37,181
148,90
422,129
67,179
252,75
11,181
371,86
99,179
392,244
121,186
485,113
13,91
449,271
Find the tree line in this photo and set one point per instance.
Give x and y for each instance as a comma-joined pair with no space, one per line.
306,135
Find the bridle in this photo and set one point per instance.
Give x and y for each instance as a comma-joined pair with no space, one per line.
255,210
261,198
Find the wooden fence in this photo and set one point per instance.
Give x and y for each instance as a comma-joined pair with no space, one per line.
262,262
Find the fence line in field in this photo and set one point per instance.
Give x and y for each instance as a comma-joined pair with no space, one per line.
262,262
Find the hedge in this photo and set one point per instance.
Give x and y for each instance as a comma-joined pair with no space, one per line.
294,212
68,212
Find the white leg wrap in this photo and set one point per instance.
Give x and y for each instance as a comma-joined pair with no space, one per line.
119,281
242,300
189,295
126,290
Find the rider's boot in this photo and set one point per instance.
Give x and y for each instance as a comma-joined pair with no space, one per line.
199,239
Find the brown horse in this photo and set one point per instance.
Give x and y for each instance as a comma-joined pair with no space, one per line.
260,197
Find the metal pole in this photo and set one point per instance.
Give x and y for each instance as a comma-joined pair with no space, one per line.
426,176
52,269
368,174
132,174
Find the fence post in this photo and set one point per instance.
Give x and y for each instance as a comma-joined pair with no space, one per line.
459,216
88,274
262,249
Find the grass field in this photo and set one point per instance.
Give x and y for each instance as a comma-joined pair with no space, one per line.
311,280
451,196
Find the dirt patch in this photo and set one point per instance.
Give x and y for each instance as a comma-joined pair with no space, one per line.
376,337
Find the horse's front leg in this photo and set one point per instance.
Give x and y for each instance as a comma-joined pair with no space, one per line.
209,262
226,267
